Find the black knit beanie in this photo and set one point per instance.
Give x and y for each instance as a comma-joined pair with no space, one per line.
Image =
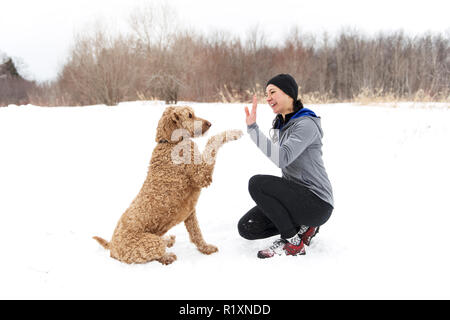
288,85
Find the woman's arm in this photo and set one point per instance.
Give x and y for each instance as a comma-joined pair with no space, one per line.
303,133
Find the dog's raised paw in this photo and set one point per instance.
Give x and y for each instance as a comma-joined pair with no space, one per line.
232,135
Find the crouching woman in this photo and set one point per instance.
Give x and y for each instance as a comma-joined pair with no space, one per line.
295,205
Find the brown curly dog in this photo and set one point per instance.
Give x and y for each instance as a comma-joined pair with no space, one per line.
176,175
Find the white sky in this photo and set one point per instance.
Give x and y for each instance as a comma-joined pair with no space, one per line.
41,32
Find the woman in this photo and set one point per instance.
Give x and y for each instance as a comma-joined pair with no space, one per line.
295,205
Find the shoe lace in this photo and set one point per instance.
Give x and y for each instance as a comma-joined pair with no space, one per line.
303,229
277,243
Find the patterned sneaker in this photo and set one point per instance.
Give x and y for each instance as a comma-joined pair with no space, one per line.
293,250
275,248
309,234
281,247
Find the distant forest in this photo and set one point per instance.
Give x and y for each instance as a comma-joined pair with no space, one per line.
159,60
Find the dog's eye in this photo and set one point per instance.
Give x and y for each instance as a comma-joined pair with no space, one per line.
190,115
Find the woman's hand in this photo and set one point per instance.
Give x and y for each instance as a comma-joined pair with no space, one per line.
250,117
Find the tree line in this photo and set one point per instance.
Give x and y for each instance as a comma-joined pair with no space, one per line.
159,60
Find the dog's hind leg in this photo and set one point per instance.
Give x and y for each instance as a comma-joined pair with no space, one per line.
141,248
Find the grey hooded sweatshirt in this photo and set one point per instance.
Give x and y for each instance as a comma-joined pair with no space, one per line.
297,150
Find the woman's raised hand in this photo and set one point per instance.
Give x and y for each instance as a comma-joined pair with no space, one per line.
250,117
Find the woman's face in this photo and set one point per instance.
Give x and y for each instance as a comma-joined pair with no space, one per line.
279,101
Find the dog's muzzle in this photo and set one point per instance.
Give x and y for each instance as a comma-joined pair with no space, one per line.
206,125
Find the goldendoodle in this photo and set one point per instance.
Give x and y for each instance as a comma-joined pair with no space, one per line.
176,175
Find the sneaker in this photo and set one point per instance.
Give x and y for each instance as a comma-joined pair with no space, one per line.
281,247
309,234
275,248
293,250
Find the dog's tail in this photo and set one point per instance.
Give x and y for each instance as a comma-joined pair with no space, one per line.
103,242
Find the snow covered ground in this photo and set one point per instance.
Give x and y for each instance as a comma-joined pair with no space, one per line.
67,174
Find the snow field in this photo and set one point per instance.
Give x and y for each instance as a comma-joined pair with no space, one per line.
67,174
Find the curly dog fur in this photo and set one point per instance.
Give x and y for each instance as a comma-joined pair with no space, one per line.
176,175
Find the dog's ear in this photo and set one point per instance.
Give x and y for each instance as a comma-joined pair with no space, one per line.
174,116
169,121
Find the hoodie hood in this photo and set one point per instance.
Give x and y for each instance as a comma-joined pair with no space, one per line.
304,112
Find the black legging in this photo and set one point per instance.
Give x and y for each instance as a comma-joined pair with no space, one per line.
282,206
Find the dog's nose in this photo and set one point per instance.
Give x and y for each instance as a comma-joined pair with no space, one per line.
208,124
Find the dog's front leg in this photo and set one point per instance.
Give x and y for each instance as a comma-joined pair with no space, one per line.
216,142
202,172
196,237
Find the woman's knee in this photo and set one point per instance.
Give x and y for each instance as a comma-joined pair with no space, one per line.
256,183
243,229
254,227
